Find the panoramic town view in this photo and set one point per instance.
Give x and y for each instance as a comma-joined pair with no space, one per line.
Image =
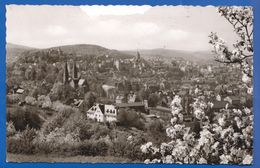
129,84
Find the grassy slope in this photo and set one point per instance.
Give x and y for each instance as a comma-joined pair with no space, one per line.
55,158
14,51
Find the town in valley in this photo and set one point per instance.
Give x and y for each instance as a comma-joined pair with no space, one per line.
86,102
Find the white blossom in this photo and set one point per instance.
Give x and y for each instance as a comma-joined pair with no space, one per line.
248,159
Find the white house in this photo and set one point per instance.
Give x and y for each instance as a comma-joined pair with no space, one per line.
102,113
110,113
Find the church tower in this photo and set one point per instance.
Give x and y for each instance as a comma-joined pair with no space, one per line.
65,74
138,56
75,75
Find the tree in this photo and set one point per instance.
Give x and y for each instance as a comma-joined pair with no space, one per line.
89,100
130,118
30,73
22,117
68,94
156,131
143,94
229,140
56,92
153,100
241,19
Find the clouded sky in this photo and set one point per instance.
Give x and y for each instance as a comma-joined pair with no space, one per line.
116,27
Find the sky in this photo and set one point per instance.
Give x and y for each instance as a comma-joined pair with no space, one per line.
116,27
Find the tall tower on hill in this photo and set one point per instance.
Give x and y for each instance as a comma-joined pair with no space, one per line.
75,75
137,59
138,56
65,74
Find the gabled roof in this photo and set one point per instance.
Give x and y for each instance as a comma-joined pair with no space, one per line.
81,82
102,108
78,103
20,91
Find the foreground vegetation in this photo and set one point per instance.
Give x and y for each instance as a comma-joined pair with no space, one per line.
68,133
10,157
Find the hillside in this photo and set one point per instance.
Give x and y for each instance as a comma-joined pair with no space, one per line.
81,51
167,55
14,51
89,49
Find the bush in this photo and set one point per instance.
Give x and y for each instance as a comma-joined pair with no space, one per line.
23,143
60,149
99,131
128,147
30,100
44,101
93,148
133,151
153,100
13,98
43,148
130,118
57,121
58,106
91,130
85,131
21,117
156,132
10,129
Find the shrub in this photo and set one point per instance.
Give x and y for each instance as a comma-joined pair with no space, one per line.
153,100
156,132
99,131
23,143
44,101
58,106
43,148
130,118
92,130
118,147
10,129
133,151
57,121
57,141
85,131
128,147
93,148
30,100
21,117
13,98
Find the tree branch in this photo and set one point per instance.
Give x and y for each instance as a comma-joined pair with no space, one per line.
248,36
228,62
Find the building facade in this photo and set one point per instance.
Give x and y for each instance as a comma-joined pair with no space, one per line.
102,113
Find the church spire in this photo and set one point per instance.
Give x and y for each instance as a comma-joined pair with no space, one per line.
138,55
66,74
75,75
75,70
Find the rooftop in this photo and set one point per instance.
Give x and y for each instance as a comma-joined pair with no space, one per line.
135,104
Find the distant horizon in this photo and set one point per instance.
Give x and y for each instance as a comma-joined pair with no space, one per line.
134,49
